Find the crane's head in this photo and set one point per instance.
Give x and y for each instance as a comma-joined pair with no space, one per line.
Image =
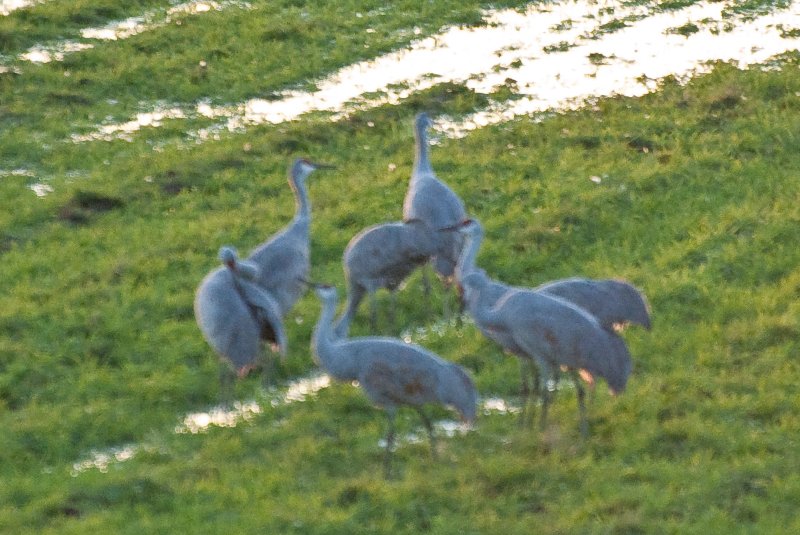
473,282
302,167
241,268
470,227
228,256
324,291
422,121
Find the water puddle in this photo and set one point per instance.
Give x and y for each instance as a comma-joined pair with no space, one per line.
201,422
441,428
553,57
496,405
246,411
7,6
439,329
126,28
452,428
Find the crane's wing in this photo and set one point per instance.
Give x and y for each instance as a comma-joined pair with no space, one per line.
225,319
266,313
612,302
397,374
562,334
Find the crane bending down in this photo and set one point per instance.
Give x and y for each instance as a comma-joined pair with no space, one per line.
544,328
432,201
613,302
284,260
391,372
236,315
382,256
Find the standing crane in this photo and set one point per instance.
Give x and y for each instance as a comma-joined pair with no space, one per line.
236,316
554,333
432,201
284,260
613,302
382,256
542,328
391,372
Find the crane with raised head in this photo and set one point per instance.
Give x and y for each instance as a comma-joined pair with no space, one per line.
391,372
382,256
236,316
432,201
284,260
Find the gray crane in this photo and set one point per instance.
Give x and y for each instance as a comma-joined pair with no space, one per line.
236,315
284,260
432,201
543,328
382,256
391,372
613,302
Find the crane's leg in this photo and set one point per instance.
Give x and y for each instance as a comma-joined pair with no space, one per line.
387,460
524,392
429,428
446,311
530,391
393,309
227,380
267,369
546,374
373,311
581,392
426,283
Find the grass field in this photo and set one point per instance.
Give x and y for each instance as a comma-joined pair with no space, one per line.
690,192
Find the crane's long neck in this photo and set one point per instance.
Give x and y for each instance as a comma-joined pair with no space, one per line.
329,352
422,164
466,262
302,214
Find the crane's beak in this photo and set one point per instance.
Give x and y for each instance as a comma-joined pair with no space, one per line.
323,166
458,226
314,285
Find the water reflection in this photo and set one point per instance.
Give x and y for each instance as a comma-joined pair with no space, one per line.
552,57
440,328
126,28
7,6
498,405
201,422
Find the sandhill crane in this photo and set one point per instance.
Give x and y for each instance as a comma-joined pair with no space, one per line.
613,302
554,333
284,259
391,372
432,201
235,315
572,335
382,256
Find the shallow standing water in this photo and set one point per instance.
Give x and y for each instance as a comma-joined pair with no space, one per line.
556,56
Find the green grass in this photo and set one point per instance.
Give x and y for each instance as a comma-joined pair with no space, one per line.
698,205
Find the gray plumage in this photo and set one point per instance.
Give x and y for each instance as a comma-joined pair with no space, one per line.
235,315
382,256
432,201
542,328
391,372
284,260
612,302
